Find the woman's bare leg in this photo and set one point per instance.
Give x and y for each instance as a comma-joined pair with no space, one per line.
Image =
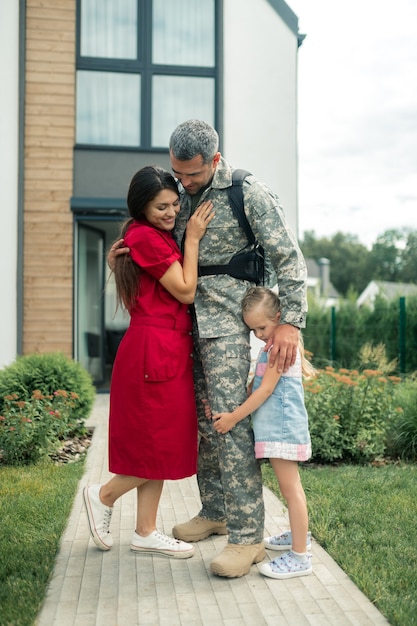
117,486
148,495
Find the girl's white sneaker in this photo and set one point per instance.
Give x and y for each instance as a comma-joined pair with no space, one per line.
283,541
287,566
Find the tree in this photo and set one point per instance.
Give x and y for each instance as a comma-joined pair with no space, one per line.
385,261
348,259
409,259
393,257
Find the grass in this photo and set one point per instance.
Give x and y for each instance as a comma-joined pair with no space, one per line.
35,503
365,518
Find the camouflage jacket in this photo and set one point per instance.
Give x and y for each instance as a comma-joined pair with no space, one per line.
218,298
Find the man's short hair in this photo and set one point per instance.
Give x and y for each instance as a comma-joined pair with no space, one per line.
192,138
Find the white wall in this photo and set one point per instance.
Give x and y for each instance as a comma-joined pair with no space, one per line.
260,98
9,108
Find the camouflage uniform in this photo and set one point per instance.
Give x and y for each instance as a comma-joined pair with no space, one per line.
229,476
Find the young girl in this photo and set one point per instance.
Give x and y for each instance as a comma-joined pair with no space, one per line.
280,425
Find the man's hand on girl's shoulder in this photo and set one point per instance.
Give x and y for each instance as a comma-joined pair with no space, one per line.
284,344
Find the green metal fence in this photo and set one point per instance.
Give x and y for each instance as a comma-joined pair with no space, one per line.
336,336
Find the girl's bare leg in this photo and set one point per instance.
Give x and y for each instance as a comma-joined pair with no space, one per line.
292,490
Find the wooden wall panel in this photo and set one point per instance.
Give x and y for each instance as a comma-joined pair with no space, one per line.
49,143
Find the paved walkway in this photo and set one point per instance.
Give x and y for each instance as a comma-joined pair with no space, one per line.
123,588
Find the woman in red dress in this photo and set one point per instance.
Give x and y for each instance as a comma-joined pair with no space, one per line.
153,421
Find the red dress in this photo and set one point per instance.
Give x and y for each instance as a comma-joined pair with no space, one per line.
153,420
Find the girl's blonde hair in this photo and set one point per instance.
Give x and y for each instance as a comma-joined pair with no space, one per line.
269,301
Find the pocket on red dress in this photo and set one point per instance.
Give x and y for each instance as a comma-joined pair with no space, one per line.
163,348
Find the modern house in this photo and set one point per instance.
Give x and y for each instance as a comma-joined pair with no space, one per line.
91,91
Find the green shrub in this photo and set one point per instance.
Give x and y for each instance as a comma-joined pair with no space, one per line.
43,398
350,414
48,373
30,429
402,437
324,421
317,333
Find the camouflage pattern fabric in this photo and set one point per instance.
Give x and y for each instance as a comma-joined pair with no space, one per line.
218,298
229,476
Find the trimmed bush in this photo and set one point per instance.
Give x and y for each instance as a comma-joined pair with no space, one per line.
48,373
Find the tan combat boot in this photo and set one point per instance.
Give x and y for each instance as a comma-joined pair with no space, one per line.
236,559
198,528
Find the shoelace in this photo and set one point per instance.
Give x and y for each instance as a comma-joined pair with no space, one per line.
106,519
276,539
287,562
168,540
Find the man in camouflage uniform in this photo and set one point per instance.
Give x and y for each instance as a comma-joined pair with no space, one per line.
229,476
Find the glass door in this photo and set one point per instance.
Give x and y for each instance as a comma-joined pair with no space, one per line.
89,309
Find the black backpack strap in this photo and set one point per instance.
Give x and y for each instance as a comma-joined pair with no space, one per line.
235,194
244,265
209,270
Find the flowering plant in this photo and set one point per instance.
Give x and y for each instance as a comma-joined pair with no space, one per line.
30,429
350,413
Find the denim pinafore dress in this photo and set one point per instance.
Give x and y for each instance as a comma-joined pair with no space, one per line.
280,424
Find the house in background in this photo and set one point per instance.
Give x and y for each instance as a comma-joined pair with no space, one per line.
384,289
319,284
91,92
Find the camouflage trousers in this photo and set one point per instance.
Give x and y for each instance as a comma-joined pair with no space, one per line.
229,476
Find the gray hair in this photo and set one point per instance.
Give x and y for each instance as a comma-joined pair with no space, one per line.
192,138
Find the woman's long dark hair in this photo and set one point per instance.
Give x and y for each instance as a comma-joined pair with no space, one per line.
144,187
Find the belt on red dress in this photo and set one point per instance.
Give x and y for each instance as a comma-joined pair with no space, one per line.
162,322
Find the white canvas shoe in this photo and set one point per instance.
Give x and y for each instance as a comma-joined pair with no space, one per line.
158,543
99,516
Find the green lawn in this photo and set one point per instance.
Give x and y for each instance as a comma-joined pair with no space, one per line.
366,519
35,502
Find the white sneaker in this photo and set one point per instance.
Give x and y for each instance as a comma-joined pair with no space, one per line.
287,566
157,543
99,516
283,541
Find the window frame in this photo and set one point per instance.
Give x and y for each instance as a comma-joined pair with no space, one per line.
143,66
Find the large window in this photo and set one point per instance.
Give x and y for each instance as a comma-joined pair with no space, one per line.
143,66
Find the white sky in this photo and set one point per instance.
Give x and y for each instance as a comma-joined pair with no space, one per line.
357,117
